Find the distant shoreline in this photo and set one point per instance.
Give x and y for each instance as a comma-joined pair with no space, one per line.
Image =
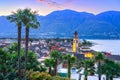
66,38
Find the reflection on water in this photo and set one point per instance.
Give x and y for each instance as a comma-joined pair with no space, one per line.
112,46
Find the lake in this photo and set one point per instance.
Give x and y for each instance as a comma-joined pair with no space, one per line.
112,46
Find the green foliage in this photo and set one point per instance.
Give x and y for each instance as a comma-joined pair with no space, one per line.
99,56
36,75
32,62
8,69
55,54
88,63
29,19
111,68
105,66
32,59
59,78
88,66
70,59
86,43
16,17
39,76
12,48
49,62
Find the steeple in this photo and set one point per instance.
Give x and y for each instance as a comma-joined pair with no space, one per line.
75,34
75,42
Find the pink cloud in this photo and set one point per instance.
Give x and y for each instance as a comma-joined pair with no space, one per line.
59,4
51,3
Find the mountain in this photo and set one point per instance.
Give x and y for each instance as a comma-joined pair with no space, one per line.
63,23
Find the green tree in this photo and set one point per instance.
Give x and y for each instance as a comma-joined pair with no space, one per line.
70,59
99,57
88,65
30,21
56,56
49,63
86,43
13,48
3,66
8,69
36,75
59,78
111,69
16,17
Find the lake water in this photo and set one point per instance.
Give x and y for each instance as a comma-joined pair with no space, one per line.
112,46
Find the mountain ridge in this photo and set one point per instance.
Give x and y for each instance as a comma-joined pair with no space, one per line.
63,23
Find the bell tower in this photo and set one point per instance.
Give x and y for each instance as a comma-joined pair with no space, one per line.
75,42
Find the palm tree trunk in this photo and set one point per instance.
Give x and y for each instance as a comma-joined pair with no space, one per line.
79,76
69,69
26,48
18,49
99,74
111,77
50,70
107,77
85,78
56,62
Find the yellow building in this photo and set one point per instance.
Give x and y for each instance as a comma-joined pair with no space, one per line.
89,55
85,50
75,42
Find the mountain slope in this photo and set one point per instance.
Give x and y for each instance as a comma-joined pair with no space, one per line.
63,21
63,24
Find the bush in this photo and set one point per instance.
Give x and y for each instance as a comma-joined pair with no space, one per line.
39,76
59,78
36,75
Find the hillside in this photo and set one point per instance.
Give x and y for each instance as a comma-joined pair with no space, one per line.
63,23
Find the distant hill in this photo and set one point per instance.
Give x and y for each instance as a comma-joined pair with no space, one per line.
63,23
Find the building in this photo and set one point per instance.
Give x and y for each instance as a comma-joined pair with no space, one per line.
88,53
75,42
85,50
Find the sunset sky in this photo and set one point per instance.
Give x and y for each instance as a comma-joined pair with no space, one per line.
44,7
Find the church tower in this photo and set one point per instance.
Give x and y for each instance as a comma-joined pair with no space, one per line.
75,42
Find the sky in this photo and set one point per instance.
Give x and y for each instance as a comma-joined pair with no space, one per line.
45,7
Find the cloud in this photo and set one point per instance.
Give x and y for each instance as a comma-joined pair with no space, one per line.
59,4
51,3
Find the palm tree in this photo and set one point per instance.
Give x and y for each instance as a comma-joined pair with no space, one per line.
99,58
49,63
88,65
70,59
29,21
111,69
16,17
107,68
56,56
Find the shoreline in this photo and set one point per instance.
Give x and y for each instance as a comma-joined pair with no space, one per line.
66,38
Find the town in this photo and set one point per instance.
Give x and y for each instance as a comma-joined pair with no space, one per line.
76,47
59,40
43,47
